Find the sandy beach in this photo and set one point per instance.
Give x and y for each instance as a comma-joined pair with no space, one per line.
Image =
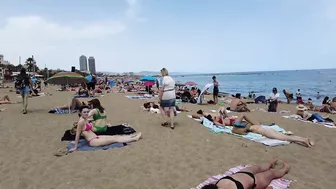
163,158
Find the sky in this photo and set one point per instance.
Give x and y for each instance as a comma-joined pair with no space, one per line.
202,36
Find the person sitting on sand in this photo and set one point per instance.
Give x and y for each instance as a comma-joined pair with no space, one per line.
326,101
85,129
289,96
238,105
333,104
98,116
252,177
82,90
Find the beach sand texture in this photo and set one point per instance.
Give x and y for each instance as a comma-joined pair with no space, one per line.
179,159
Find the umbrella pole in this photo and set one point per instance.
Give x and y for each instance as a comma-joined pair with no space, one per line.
69,101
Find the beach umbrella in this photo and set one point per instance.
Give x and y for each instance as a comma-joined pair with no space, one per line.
65,78
149,83
191,83
148,78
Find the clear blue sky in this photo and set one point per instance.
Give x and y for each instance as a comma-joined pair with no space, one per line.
181,35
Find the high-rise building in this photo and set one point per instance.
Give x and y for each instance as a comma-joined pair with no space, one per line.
92,65
83,63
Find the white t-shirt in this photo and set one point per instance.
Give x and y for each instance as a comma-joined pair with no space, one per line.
298,94
274,96
168,85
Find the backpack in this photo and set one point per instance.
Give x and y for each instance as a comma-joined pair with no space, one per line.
20,82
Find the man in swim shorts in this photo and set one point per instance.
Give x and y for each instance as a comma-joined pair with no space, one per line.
238,105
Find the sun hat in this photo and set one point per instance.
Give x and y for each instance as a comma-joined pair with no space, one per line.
301,107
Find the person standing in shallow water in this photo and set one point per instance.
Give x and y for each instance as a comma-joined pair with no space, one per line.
215,89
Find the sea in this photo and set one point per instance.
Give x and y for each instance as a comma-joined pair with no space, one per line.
308,81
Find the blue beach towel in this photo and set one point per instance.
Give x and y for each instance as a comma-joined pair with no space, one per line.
80,96
84,146
250,136
139,97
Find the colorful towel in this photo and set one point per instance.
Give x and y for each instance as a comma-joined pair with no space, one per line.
83,146
276,184
61,111
250,136
139,97
299,118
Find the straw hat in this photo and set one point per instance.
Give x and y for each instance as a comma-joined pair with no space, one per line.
301,107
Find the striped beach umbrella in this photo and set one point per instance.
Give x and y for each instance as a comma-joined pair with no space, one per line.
65,78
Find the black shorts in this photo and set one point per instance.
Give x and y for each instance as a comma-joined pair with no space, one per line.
91,86
215,91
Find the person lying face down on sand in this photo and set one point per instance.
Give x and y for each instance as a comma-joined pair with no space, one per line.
149,105
85,129
253,177
242,128
97,116
238,105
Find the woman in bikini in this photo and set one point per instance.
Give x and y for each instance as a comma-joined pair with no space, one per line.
98,116
253,177
251,126
86,129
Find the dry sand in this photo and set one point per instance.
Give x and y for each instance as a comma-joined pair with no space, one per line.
179,159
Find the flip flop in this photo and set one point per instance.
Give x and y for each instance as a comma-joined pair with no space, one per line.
164,124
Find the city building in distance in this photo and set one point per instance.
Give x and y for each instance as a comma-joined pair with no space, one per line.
92,65
83,63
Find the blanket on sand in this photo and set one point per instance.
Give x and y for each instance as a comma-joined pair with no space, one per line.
84,146
276,184
299,118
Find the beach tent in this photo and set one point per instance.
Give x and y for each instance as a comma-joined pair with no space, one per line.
206,87
260,99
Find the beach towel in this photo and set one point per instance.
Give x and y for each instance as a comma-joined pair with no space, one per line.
250,136
61,111
114,130
190,116
299,118
84,146
276,183
139,97
83,96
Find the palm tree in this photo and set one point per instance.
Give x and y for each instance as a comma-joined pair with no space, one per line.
30,63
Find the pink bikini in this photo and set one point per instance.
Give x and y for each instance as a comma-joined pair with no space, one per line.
88,127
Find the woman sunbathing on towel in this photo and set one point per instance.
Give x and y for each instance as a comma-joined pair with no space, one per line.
239,127
253,177
84,128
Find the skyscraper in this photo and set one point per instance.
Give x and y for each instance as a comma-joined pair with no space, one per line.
83,63
92,65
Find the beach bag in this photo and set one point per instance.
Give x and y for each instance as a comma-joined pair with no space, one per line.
20,82
240,125
193,101
272,107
